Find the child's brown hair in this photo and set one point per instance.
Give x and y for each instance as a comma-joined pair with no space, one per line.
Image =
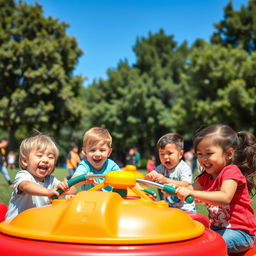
97,134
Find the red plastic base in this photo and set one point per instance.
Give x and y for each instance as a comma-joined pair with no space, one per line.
3,211
200,217
209,243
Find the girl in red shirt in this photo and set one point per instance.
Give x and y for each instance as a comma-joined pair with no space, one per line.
229,163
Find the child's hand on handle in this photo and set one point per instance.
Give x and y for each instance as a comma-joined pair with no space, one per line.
152,176
156,177
161,178
52,192
91,180
172,184
62,185
183,192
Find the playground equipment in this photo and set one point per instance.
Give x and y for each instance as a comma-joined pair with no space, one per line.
105,223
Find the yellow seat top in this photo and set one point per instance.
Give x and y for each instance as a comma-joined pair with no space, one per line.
96,217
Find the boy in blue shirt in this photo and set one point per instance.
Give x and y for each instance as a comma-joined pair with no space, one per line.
97,149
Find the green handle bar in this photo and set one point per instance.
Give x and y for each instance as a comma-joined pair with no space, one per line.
71,182
152,193
172,190
80,178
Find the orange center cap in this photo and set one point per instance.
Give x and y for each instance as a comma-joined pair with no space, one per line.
120,180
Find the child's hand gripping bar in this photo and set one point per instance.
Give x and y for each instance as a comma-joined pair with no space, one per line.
172,190
165,188
76,180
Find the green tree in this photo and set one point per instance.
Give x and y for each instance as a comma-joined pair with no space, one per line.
135,103
221,89
159,55
37,59
238,28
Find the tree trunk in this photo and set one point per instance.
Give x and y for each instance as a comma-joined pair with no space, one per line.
12,140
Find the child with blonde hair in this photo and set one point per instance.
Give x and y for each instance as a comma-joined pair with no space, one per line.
97,147
229,163
34,185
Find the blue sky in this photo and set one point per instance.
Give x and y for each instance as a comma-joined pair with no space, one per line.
106,30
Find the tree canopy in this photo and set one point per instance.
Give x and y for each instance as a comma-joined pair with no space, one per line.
134,102
37,59
173,87
238,28
170,87
221,89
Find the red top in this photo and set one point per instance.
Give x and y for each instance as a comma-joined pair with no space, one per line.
239,213
150,165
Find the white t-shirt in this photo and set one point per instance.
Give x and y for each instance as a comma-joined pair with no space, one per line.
182,172
21,201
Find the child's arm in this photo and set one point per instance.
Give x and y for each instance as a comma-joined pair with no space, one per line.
38,190
174,183
221,197
151,176
157,177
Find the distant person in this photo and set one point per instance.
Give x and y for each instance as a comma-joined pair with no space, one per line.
3,162
34,185
172,170
188,156
191,160
97,147
151,164
72,160
229,163
129,159
137,158
11,159
119,163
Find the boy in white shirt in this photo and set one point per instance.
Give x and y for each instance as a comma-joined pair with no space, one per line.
172,170
34,185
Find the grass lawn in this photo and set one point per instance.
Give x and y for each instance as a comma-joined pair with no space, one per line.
60,173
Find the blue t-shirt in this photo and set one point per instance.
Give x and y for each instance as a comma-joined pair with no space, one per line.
85,167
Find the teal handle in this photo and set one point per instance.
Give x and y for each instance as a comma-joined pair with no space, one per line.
172,190
71,182
152,193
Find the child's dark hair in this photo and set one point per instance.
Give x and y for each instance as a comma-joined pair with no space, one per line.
170,138
73,145
243,143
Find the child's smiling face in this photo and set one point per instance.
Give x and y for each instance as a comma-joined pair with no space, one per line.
212,157
97,154
170,155
40,163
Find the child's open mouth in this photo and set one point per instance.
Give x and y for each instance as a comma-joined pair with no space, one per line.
97,160
43,168
207,166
